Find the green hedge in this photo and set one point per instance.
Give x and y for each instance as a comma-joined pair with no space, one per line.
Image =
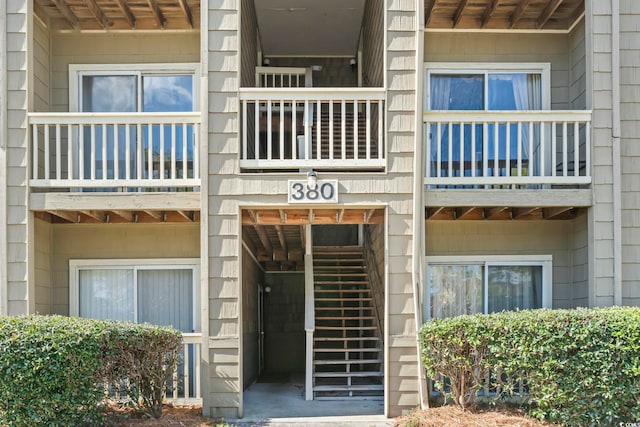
581,367
54,369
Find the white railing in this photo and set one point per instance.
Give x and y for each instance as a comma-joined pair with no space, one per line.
298,128
98,150
283,77
186,378
469,148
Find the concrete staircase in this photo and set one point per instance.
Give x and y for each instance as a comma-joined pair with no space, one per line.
348,355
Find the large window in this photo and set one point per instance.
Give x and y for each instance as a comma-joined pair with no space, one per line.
161,292
470,285
150,88
487,87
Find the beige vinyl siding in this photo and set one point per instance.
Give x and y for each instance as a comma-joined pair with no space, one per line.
598,47
504,47
18,219
373,44
580,240
223,239
253,277
553,238
115,241
43,239
630,149
41,66
577,68
401,69
116,48
249,49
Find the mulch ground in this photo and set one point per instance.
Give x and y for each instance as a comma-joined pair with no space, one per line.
447,416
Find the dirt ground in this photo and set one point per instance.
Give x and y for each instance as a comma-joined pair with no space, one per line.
436,417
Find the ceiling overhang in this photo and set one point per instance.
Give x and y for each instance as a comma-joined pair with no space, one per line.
119,14
503,14
310,28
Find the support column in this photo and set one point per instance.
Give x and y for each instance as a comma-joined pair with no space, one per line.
309,311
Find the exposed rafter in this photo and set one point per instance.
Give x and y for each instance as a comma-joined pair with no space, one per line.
126,215
519,213
264,240
458,16
159,216
494,212
127,13
157,14
282,239
548,11
428,12
461,213
432,212
189,216
488,13
187,12
67,13
517,14
98,13
68,216
97,215
550,213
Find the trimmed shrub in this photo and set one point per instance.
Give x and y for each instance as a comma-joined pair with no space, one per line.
54,369
581,367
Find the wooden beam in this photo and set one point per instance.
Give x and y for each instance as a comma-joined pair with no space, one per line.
488,13
186,215
97,215
187,12
157,14
67,13
246,238
494,212
127,13
549,213
461,213
98,13
158,216
283,216
459,11
522,212
311,216
547,12
126,215
283,240
264,239
253,215
72,217
431,212
428,9
40,14
367,215
517,14
339,216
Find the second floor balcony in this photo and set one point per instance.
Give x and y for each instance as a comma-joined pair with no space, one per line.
133,152
312,128
507,149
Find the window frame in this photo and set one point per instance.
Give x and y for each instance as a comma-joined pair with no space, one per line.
545,261
486,68
77,265
78,71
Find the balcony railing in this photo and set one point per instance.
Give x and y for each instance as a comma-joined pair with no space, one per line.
314,128
187,377
507,148
119,150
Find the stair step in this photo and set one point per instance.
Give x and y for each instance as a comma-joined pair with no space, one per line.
371,387
346,338
346,328
342,308
347,350
343,299
345,318
347,362
341,282
343,291
339,267
348,374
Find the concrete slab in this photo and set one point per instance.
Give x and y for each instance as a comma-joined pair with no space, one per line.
282,405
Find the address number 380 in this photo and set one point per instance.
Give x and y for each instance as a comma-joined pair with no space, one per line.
323,192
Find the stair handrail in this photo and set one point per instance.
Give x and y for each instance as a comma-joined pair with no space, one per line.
374,279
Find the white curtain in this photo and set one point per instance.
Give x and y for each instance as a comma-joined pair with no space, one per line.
440,98
514,287
107,294
527,92
165,297
456,290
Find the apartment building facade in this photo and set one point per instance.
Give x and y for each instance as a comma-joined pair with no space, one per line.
298,185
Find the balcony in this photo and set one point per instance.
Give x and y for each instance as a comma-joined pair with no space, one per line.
132,152
293,128
507,149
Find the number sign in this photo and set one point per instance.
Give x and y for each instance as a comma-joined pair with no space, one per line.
325,192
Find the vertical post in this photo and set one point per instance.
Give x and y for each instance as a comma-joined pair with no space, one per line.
309,311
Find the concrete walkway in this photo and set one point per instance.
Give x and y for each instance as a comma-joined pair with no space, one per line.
283,405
